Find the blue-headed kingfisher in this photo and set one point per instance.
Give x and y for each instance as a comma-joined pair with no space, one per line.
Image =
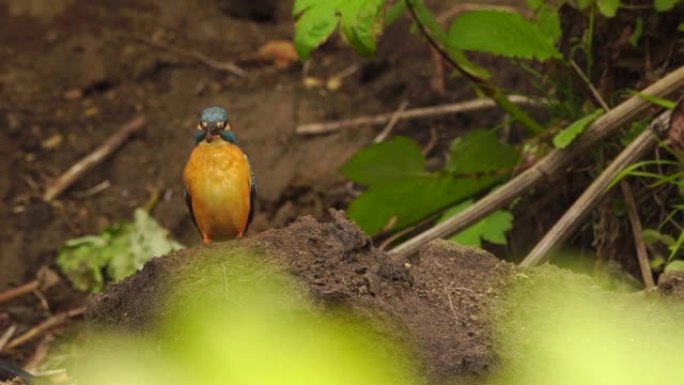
220,188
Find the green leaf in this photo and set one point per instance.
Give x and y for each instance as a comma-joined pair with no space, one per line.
676,265
302,5
664,5
568,135
119,251
549,24
412,199
426,18
660,102
608,7
480,151
534,4
395,12
651,236
386,162
584,4
638,31
492,228
674,249
362,24
401,190
501,33
314,27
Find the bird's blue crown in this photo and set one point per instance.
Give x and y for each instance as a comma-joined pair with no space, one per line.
214,115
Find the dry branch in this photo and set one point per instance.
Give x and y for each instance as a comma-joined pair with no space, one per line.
578,212
197,56
54,321
19,291
551,164
635,222
84,165
413,113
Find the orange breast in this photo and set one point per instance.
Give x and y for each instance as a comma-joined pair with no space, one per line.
219,182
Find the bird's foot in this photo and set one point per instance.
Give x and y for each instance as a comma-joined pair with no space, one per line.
241,234
205,239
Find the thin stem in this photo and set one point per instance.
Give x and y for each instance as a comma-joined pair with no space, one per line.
489,89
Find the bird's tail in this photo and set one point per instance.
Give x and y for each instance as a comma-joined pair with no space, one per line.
9,372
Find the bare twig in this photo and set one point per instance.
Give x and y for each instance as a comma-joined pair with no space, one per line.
592,196
393,122
98,188
198,56
19,291
481,83
84,165
7,335
45,278
396,236
594,92
413,113
635,222
467,7
54,321
551,164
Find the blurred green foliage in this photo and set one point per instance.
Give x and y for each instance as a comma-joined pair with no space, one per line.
114,254
560,328
241,324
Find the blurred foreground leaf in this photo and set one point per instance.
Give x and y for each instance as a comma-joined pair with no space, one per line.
244,324
116,253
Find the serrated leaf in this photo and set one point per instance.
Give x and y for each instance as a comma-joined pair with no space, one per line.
400,187
549,24
664,5
676,265
314,27
492,228
501,33
480,151
534,4
608,8
411,199
119,251
386,162
362,24
302,5
568,135
426,18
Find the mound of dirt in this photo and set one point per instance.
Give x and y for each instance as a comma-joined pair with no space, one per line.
439,300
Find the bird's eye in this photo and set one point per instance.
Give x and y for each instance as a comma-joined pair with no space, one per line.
204,124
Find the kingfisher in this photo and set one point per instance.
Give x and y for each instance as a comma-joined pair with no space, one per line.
220,188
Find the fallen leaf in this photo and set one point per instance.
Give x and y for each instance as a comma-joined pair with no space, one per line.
281,52
52,142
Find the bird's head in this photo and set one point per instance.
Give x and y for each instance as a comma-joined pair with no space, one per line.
213,123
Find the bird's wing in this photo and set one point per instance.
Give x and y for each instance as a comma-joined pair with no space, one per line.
188,202
252,194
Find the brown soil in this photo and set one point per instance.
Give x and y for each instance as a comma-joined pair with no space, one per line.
440,300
